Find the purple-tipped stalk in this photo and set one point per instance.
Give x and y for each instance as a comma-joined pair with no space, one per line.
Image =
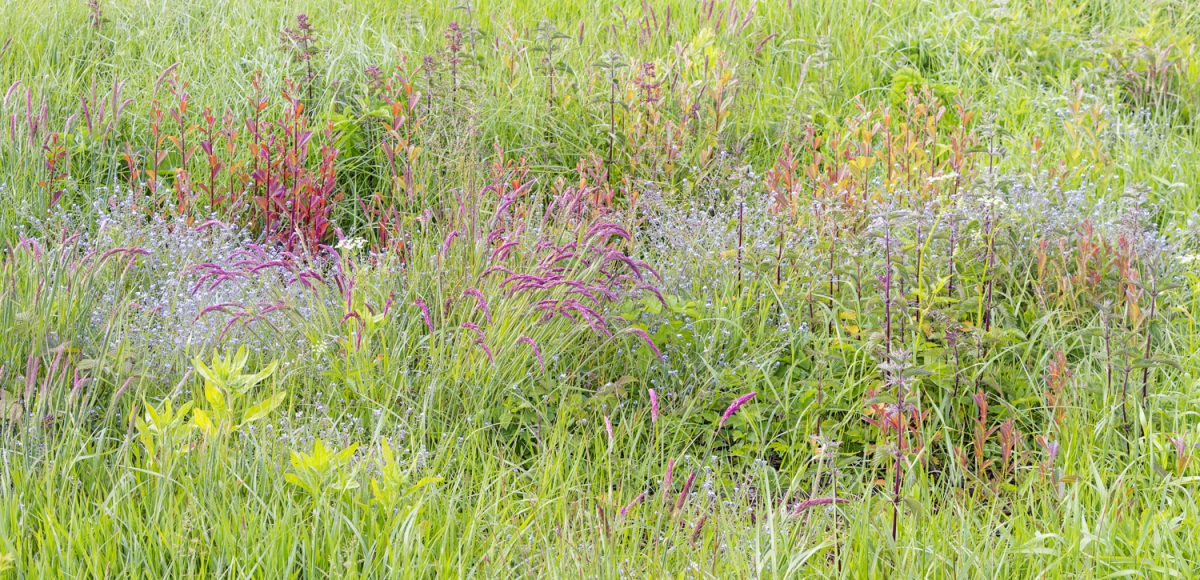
481,301
632,504
683,495
735,405
816,501
653,407
646,338
536,351
446,244
666,482
474,327
487,351
424,313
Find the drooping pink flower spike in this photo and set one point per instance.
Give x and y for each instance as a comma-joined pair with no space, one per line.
666,482
650,343
687,488
632,504
536,351
816,501
446,244
735,405
419,303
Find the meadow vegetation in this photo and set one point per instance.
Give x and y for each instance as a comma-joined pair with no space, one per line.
844,288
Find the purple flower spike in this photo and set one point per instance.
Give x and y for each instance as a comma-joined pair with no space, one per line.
683,495
816,501
425,313
653,407
666,483
481,301
734,406
646,337
487,351
474,327
449,240
536,351
632,504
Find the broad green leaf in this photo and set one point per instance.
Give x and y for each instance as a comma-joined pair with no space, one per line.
203,422
248,381
207,373
264,407
215,398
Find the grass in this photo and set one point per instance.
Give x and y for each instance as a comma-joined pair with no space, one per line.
656,289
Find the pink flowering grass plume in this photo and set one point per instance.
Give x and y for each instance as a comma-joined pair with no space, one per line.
653,407
132,251
817,501
446,244
487,351
650,343
608,428
734,406
419,303
480,301
632,504
687,488
696,529
475,328
604,230
537,352
666,482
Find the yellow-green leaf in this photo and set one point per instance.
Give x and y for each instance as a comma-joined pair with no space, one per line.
264,407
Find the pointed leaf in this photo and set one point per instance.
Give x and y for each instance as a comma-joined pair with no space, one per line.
264,407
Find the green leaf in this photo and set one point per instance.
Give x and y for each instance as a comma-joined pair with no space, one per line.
264,407
215,397
203,422
207,373
248,381
343,456
295,480
426,481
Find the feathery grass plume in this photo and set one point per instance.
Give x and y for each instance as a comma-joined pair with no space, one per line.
734,406
32,365
474,328
603,230
603,521
446,244
666,482
687,488
483,345
698,528
480,301
608,428
816,501
632,504
537,352
419,303
646,338
653,407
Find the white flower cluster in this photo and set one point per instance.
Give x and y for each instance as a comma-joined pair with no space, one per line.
352,245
